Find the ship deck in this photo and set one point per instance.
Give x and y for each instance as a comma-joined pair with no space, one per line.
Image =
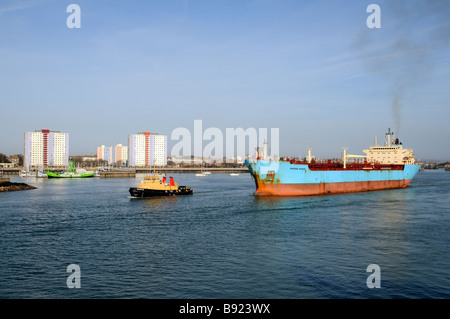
333,165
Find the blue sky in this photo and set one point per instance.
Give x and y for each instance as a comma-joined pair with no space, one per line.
313,69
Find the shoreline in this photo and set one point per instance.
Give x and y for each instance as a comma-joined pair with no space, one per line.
12,172
12,187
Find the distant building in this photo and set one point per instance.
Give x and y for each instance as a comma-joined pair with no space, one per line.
108,154
46,148
84,158
120,154
147,149
113,154
14,159
101,153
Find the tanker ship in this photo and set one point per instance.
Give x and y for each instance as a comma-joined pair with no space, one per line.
383,167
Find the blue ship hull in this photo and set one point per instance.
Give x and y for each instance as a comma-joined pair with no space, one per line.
291,179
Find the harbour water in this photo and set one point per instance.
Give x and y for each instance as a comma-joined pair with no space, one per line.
223,242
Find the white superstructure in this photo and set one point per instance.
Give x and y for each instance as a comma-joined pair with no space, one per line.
392,152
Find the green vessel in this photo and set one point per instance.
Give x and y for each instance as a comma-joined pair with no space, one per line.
71,173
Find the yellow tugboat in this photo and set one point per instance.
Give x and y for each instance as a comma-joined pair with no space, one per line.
157,185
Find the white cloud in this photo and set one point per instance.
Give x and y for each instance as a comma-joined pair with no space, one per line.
22,5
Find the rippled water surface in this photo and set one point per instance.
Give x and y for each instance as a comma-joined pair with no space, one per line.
223,242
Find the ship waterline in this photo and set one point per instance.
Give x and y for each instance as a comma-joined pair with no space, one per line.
327,188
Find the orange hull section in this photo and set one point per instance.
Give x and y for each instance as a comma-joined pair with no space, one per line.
327,188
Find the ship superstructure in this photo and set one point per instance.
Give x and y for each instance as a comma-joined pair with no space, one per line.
390,153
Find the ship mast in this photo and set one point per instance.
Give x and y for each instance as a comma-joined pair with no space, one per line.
389,134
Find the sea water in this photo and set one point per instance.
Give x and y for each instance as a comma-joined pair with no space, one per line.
223,242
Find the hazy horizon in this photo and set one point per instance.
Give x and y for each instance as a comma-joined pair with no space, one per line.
313,69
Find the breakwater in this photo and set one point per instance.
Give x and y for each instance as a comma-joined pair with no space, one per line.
131,172
123,171
193,170
113,174
7,186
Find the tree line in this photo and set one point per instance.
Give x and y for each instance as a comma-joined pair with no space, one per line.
4,158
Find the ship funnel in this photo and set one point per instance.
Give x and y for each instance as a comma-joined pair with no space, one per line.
171,181
164,180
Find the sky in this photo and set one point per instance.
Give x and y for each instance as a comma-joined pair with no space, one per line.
313,69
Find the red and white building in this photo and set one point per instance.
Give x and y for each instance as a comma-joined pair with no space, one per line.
45,148
147,149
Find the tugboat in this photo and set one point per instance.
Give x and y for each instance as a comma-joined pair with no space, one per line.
156,185
71,173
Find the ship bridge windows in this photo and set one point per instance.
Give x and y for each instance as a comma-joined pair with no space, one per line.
384,148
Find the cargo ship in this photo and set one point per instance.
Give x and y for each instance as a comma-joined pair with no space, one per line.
383,167
157,185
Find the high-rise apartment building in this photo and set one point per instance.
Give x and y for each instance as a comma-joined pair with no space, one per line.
120,154
101,153
147,149
46,148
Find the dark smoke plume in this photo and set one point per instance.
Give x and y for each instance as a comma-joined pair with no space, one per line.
404,50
